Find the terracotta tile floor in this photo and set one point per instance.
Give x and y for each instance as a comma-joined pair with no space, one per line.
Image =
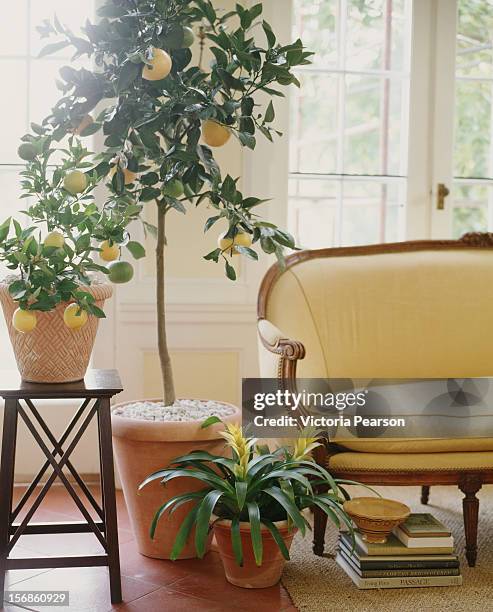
148,585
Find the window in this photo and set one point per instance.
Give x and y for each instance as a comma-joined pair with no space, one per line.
348,158
473,149
28,92
358,174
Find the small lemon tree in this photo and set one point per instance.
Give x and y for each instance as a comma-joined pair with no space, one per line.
162,116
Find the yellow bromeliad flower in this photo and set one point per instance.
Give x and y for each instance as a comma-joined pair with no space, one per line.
303,447
241,446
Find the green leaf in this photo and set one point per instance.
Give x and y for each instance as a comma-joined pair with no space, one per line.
212,420
289,506
236,540
5,229
241,493
277,537
255,531
128,74
91,129
210,222
136,249
175,501
250,253
213,255
184,533
204,514
271,38
270,113
230,271
53,48
247,140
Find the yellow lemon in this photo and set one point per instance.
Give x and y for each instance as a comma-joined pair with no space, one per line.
215,134
24,321
109,252
75,182
227,244
130,176
73,317
160,67
55,240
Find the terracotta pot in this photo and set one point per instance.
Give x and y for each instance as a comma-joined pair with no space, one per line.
251,576
53,353
143,447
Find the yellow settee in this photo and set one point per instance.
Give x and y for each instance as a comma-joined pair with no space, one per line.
405,310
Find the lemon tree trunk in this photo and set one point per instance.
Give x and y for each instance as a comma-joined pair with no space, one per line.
166,368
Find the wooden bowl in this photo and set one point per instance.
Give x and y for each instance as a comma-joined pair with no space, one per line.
375,517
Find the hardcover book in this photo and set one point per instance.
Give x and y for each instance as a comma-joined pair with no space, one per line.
393,573
375,562
396,582
394,547
423,542
424,525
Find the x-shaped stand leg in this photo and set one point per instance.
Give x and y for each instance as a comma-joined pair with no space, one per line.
57,466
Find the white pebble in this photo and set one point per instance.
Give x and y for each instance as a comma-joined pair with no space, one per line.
182,410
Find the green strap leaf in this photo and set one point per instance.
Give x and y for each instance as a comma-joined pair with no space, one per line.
173,503
236,540
241,493
203,519
278,538
184,533
255,531
289,506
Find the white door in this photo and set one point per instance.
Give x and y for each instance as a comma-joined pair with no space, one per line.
396,108
463,137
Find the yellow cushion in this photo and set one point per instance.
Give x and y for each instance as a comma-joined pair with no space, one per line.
417,445
421,314
410,462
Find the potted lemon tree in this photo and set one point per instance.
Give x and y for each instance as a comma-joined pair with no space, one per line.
164,111
51,299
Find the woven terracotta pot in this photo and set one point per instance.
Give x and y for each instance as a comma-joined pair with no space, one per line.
250,575
53,353
143,447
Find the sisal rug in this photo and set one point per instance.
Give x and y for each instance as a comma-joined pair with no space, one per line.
317,584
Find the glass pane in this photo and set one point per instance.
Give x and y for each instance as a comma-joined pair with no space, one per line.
366,217
474,38
313,212
473,128
14,125
472,203
315,22
373,126
314,124
71,14
377,35
13,30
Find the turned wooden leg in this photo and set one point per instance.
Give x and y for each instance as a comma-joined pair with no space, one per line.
470,485
319,527
425,495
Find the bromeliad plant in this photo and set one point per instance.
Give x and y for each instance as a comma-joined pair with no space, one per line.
160,111
254,486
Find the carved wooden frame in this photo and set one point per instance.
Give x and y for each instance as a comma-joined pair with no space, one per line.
291,350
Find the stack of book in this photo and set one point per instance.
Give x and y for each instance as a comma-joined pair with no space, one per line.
420,553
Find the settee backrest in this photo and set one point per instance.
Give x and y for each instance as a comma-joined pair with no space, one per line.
421,309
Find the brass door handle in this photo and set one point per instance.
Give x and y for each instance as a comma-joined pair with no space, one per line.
442,193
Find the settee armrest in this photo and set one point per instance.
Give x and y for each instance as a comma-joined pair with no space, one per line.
278,354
